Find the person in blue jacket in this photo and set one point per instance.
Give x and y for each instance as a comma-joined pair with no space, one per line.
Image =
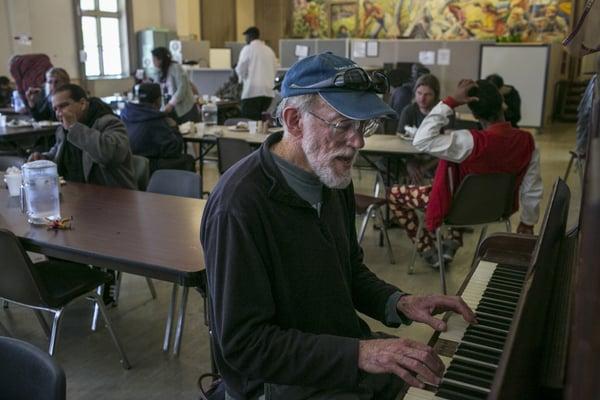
152,133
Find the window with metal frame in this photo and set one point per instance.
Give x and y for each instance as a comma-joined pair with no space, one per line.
104,37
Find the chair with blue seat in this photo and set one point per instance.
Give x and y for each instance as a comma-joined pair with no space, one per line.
141,171
231,151
27,372
49,287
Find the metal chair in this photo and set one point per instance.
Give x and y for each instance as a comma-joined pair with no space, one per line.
367,206
480,200
176,183
50,286
141,171
579,160
27,372
231,151
11,161
184,184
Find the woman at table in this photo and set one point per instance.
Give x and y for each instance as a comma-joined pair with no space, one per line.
179,91
39,101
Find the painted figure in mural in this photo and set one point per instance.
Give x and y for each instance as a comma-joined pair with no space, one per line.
372,13
342,32
517,25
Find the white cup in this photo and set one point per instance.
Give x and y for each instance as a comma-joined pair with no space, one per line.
2,121
14,184
252,127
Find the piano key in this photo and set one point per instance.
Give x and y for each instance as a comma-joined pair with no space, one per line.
465,388
420,394
475,355
474,362
480,372
468,378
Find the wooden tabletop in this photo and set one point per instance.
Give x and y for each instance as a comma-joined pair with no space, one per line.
148,234
388,145
210,133
24,132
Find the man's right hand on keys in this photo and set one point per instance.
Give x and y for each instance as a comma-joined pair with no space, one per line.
414,362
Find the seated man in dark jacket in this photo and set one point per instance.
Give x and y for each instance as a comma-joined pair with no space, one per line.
152,133
91,145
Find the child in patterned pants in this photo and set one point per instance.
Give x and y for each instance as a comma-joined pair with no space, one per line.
403,200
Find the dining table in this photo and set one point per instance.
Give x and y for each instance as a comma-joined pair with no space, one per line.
153,235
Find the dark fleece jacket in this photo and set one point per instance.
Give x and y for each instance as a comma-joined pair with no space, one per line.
149,132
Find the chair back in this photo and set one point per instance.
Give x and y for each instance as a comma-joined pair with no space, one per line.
231,151
234,121
27,372
482,199
18,280
176,183
11,161
141,171
465,124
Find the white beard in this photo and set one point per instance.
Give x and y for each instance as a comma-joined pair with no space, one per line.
321,163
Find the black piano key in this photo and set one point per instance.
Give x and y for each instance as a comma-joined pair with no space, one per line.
492,322
503,290
478,345
478,339
477,355
507,279
468,378
481,333
478,371
512,270
492,293
494,310
458,389
499,284
508,308
474,347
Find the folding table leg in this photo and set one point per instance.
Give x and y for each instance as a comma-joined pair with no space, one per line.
180,321
169,324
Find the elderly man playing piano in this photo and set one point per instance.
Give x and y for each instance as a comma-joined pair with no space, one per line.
285,272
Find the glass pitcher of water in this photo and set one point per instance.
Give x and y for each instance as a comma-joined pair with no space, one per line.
209,114
40,189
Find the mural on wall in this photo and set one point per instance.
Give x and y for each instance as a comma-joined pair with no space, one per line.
503,20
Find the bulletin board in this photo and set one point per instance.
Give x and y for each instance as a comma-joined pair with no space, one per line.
525,67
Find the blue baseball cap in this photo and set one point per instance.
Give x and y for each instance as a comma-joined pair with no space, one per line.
317,75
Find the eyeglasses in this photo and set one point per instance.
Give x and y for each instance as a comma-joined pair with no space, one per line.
364,127
353,79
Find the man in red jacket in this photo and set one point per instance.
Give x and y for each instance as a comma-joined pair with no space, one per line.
497,148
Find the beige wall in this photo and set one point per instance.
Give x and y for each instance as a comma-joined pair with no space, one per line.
50,25
146,14
244,17
188,18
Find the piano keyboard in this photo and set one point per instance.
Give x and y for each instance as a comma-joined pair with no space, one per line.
493,292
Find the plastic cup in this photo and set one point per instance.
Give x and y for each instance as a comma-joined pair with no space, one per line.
252,127
14,184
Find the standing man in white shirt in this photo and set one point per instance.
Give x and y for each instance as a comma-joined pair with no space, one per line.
256,69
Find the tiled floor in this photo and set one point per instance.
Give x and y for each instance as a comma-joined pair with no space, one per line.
91,362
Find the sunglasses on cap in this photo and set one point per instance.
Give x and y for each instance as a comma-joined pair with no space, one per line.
353,79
